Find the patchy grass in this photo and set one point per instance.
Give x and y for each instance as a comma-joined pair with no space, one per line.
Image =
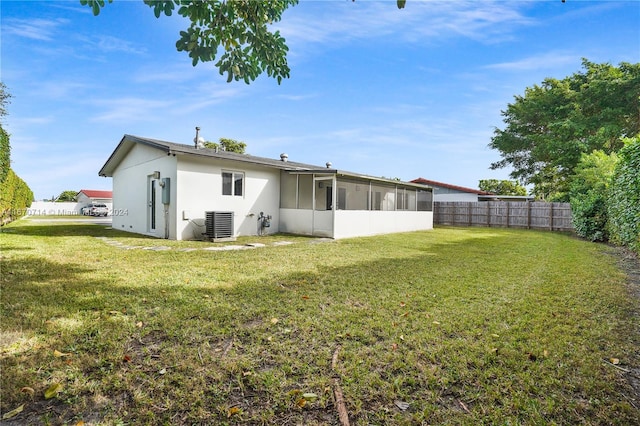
451,326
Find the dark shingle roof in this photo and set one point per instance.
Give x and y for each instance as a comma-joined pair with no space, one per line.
172,148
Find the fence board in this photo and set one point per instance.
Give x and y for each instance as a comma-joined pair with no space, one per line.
530,215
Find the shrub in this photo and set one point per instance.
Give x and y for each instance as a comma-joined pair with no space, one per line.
590,216
588,194
624,197
15,198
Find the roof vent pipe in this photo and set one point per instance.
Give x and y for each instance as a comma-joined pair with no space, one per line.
328,164
284,157
198,140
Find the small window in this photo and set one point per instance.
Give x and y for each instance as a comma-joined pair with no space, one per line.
233,183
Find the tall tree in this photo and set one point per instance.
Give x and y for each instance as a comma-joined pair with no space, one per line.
15,194
5,146
229,145
67,196
502,187
5,97
555,122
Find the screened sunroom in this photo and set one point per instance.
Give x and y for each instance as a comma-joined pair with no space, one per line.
336,204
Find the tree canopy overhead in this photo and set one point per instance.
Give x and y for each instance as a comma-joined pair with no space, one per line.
240,28
554,123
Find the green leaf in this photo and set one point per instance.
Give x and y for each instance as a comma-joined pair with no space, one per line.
13,412
309,396
52,390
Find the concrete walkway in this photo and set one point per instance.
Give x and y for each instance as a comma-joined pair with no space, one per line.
249,246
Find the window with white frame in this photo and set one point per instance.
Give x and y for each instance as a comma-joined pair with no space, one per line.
233,183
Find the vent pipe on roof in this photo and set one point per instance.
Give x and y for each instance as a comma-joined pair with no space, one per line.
328,164
198,140
284,157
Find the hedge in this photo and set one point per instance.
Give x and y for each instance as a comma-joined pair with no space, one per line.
624,197
15,198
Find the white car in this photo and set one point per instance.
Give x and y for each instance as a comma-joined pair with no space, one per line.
95,209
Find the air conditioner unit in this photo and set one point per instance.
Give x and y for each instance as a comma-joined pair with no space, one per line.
219,226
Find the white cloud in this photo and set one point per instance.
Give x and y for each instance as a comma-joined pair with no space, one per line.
108,44
130,109
421,21
296,98
59,89
34,29
550,60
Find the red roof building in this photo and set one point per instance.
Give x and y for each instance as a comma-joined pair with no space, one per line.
92,193
451,188
447,192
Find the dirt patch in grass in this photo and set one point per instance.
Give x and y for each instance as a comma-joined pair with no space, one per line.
629,262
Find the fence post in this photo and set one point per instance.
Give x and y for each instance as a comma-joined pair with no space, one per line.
488,214
550,216
508,213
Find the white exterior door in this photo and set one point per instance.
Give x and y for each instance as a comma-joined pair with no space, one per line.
152,205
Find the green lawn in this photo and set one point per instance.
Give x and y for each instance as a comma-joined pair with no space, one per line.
450,326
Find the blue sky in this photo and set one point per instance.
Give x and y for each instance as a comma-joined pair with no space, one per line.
375,90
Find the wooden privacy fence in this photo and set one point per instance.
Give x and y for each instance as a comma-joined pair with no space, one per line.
507,214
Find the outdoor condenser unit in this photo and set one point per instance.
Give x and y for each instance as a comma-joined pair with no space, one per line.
218,225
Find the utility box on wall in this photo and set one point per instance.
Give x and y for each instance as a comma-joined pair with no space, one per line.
166,190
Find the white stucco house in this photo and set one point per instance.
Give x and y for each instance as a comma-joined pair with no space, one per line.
184,192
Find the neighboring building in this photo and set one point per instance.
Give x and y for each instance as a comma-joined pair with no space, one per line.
88,196
84,198
182,192
96,199
447,192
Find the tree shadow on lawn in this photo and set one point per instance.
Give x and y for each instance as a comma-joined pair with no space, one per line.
40,300
66,311
64,229
218,336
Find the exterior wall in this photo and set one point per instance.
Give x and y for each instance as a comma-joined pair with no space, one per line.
41,208
84,200
358,223
443,194
354,223
296,221
131,191
199,185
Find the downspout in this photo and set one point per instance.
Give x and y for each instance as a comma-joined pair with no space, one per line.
334,204
313,203
166,221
